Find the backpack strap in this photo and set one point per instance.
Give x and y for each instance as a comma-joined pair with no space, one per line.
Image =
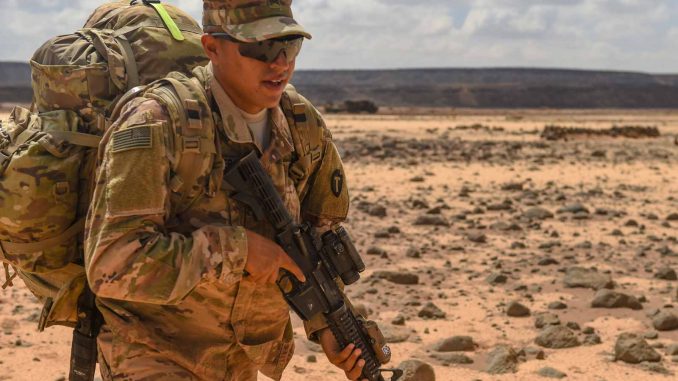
306,133
196,150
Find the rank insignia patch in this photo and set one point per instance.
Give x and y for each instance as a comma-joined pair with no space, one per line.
132,138
337,183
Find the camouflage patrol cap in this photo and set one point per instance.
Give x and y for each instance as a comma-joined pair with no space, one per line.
251,20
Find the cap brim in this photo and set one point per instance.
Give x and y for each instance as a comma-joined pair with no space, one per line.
265,29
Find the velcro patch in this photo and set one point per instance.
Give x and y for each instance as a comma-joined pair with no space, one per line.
132,138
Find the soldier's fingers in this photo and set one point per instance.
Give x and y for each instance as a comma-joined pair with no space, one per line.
354,373
289,265
350,362
340,357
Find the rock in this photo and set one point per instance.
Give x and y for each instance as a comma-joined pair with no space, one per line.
452,358
431,311
533,352
375,250
666,273
512,187
362,309
592,339
537,213
311,358
633,349
587,278
549,372
502,359
476,237
557,305
672,217
516,309
665,321
573,208
557,337
455,344
546,319
416,370
431,220
398,277
495,279
395,334
547,261
413,252
612,299
672,350
398,320
377,211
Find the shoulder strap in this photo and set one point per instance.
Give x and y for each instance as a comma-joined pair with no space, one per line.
306,133
196,148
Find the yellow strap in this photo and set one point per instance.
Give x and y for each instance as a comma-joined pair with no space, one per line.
32,247
167,19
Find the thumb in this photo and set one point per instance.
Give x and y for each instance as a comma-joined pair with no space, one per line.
289,265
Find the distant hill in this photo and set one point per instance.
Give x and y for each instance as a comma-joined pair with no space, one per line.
484,88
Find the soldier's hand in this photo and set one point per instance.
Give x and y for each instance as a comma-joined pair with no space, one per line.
347,359
265,258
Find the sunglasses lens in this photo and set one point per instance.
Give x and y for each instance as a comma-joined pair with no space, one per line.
267,51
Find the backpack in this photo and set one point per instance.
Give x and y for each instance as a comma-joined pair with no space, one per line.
48,158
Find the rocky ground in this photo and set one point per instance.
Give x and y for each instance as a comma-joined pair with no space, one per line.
492,254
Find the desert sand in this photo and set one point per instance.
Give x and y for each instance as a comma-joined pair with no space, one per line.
459,215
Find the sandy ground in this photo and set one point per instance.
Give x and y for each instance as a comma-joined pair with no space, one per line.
400,168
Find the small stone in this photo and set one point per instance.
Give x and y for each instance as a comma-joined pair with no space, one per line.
672,350
672,217
476,237
592,339
311,358
413,252
537,213
557,305
431,220
395,334
375,250
495,279
557,337
573,208
665,321
452,358
612,299
549,372
502,359
515,309
547,261
651,335
633,350
398,320
377,211
416,370
546,319
398,277
666,273
431,311
455,344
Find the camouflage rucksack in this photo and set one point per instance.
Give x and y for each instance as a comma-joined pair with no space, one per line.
48,158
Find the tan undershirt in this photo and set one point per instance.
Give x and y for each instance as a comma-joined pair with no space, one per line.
258,124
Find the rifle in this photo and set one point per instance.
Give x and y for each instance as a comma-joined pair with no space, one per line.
321,260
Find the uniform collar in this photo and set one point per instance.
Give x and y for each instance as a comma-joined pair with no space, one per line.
236,129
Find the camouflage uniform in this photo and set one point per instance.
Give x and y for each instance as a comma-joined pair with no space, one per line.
170,284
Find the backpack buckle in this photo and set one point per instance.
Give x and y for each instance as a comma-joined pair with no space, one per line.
191,144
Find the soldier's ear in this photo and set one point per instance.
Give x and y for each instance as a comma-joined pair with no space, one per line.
211,46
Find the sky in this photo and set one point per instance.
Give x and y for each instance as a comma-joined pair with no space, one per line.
633,35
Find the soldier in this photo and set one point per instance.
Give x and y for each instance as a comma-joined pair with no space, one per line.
185,280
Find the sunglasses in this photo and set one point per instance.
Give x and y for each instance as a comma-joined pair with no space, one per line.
268,50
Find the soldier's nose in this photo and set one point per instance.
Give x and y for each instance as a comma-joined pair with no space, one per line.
280,62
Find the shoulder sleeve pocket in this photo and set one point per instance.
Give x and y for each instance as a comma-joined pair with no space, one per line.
136,171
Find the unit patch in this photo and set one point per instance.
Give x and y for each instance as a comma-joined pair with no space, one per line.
337,183
132,138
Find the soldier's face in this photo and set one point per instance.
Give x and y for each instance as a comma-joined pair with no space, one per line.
253,85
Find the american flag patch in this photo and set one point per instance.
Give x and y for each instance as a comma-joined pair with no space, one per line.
132,138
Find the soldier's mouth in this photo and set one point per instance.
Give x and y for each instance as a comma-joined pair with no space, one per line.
274,84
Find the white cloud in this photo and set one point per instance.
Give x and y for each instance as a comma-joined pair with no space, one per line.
605,34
